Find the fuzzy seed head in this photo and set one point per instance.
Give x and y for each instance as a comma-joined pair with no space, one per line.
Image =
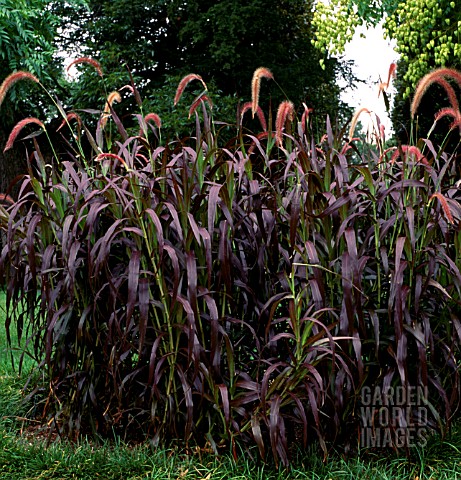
259,112
155,118
450,112
70,116
183,84
17,129
89,61
113,97
409,151
355,119
391,74
13,78
436,76
445,206
6,198
285,113
259,73
111,156
199,100
383,86
305,117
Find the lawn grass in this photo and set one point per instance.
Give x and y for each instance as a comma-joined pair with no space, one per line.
23,458
26,455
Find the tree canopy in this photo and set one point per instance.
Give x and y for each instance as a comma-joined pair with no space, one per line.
27,32
427,34
223,41
159,41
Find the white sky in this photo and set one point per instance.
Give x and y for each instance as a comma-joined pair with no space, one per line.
372,55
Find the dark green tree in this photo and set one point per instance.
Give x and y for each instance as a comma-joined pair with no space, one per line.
428,37
27,32
427,34
223,41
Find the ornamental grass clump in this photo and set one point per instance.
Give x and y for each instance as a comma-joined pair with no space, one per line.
234,295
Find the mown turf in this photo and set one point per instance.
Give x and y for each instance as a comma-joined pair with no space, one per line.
22,458
24,453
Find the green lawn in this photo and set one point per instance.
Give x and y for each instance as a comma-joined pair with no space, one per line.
24,454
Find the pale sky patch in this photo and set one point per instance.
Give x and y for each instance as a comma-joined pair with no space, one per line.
373,56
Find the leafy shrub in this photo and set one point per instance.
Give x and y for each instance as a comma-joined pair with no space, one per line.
232,293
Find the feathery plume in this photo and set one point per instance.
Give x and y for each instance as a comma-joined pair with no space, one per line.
382,88
70,116
445,206
143,121
183,84
127,87
256,84
451,112
132,89
260,136
6,198
285,113
450,91
305,117
246,106
355,119
112,156
113,97
142,157
18,127
259,112
155,118
408,150
89,61
391,74
13,78
66,121
200,99
436,76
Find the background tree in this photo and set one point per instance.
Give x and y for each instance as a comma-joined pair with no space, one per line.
27,32
427,33
224,41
